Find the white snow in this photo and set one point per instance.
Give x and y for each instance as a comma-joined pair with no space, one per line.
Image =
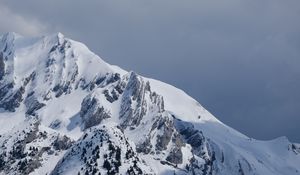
32,54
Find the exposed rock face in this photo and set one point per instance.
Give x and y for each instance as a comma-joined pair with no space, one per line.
63,110
166,126
140,105
200,147
133,92
2,66
102,150
92,112
295,148
5,89
26,155
32,104
175,156
62,143
194,137
13,101
145,146
136,96
60,54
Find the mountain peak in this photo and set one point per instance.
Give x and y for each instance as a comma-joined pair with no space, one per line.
60,37
63,109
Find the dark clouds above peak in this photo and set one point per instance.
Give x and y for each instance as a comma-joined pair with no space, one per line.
240,59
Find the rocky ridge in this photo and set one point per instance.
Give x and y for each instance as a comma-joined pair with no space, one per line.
66,111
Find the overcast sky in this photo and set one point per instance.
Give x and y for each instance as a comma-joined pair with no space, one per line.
240,59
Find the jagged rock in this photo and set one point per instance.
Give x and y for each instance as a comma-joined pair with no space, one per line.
135,102
175,156
55,124
194,137
113,78
62,143
32,104
132,92
166,125
92,112
32,134
26,154
201,147
110,97
2,66
295,148
144,147
5,89
102,149
13,100
147,138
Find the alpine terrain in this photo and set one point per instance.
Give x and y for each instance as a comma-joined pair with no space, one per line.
63,110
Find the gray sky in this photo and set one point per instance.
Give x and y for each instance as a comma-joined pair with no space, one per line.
239,59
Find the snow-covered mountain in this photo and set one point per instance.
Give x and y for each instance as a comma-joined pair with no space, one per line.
63,110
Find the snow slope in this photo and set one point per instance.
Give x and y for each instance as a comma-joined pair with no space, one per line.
63,110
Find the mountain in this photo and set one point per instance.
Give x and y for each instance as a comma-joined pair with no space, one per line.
63,110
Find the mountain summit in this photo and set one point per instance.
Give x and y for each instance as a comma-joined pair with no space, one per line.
63,110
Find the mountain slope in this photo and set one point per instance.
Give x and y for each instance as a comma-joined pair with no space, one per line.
63,110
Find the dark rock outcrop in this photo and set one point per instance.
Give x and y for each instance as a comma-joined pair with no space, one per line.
32,104
12,99
101,150
166,125
175,156
92,112
62,143
201,147
24,157
2,66
134,103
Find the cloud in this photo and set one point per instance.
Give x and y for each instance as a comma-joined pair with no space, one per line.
11,21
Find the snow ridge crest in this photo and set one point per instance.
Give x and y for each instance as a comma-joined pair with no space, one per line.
64,110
